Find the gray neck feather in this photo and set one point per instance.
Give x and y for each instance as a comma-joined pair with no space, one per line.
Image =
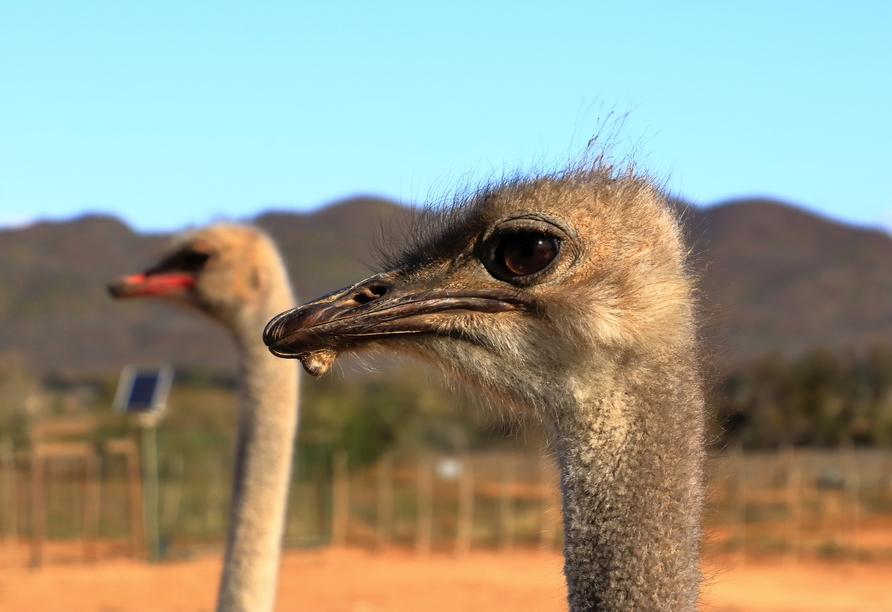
631,465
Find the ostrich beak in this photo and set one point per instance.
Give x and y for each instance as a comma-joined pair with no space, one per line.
146,283
318,331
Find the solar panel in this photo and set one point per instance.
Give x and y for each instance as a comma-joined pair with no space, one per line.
143,390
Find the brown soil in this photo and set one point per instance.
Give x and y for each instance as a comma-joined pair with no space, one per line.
350,580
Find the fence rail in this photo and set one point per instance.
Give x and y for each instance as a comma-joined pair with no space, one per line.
796,501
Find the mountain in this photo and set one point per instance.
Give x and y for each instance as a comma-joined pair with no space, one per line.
334,246
776,277
55,311
773,277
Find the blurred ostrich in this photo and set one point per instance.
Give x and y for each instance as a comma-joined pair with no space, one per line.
565,296
234,274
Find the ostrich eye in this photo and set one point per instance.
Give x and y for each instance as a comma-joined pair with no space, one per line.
527,253
526,249
186,260
193,261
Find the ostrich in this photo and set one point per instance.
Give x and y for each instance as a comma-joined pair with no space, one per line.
565,296
234,274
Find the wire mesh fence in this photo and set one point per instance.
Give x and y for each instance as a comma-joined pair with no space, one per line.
794,502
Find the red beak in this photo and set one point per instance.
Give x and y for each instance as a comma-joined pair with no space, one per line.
151,284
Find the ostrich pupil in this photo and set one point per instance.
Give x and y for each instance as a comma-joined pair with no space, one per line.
524,254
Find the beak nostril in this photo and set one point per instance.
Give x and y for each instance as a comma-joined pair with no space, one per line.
369,293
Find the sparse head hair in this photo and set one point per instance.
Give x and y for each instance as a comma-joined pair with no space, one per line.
620,287
229,271
242,263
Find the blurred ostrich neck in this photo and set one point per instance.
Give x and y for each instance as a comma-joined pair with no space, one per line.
267,419
630,461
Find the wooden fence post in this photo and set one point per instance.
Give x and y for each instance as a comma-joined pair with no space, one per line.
464,531
506,503
548,514
213,520
92,501
10,498
794,505
134,482
38,510
340,499
737,505
851,505
385,501
424,522
173,499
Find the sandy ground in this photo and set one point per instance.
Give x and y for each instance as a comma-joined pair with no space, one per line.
350,580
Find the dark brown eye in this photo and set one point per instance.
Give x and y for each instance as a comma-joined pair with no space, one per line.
186,260
527,253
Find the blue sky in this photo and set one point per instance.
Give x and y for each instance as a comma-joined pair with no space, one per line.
171,113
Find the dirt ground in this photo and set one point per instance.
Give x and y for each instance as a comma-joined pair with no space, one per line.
351,580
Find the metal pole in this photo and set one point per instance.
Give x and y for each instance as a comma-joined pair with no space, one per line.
150,497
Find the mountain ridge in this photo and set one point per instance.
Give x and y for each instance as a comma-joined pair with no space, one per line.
774,277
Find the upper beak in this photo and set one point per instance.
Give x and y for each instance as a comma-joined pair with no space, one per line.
150,284
318,331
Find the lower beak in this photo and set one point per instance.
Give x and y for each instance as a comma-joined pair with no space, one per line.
318,331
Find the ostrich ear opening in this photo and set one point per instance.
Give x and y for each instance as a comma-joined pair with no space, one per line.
255,278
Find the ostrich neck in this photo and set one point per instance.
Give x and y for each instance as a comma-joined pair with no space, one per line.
630,463
267,420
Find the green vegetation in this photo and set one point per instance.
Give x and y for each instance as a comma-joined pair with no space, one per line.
821,398
19,397
405,409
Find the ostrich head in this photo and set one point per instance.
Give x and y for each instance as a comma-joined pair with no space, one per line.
564,296
530,290
224,270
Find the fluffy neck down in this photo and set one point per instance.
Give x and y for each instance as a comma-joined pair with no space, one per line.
630,458
267,420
